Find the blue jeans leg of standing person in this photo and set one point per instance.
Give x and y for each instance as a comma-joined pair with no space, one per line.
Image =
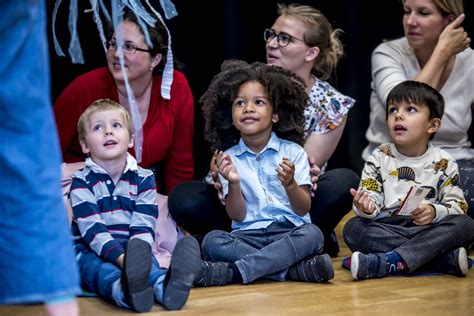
417,245
466,182
36,256
266,252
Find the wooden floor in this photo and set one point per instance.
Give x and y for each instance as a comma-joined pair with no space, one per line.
422,295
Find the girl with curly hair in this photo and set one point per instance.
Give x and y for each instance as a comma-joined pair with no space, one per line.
302,41
254,117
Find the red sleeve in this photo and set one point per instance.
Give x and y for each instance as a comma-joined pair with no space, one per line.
179,166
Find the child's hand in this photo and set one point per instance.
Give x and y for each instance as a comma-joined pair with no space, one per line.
423,214
363,201
215,177
286,172
120,260
226,168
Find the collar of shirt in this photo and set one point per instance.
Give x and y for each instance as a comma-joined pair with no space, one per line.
273,143
131,165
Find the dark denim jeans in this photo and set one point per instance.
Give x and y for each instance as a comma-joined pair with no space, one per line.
417,245
266,252
103,278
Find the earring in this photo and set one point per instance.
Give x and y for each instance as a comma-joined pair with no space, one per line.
307,58
151,68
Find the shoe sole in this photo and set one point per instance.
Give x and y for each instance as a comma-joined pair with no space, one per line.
355,265
184,268
462,261
136,271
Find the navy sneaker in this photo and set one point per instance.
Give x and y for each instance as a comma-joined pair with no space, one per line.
317,269
138,294
367,266
184,268
214,274
454,262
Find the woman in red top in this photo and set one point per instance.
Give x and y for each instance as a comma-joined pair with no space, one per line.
167,124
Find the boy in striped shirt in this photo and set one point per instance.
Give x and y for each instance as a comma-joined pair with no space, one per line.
114,219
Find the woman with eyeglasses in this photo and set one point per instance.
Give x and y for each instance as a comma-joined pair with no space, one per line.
168,125
303,41
435,50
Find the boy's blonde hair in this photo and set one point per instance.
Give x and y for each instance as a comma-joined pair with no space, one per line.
99,106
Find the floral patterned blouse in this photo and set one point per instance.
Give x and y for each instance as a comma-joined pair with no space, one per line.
326,109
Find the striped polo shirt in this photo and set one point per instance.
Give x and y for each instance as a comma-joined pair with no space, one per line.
106,215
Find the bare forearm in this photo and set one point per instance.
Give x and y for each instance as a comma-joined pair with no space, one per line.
322,146
432,72
235,204
300,199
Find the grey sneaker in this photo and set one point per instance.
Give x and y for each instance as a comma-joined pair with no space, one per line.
367,266
454,262
213,274
317,269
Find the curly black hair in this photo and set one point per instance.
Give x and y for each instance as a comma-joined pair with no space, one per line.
285,91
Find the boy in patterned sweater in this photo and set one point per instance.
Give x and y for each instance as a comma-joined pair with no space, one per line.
114,220
434,234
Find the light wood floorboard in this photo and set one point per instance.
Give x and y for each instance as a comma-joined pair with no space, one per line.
422,295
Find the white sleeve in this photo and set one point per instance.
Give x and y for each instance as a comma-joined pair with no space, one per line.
387,69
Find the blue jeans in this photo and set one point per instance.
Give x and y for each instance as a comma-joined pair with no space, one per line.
103,278
266,252
36,256
417,245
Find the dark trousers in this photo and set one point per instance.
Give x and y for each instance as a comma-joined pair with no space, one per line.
195,206
417,245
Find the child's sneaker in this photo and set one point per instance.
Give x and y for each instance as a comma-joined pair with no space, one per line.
214,274
317,269
184,267
138,293
367,266
454,262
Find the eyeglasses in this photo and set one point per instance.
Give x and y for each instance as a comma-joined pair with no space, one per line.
283,39
127,47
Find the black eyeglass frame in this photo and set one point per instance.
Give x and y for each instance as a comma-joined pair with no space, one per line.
109,44
270,34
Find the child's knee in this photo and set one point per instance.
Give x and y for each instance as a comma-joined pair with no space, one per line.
212,241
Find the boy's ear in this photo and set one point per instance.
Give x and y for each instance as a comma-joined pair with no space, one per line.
435,124
130,143
84,147
275,117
